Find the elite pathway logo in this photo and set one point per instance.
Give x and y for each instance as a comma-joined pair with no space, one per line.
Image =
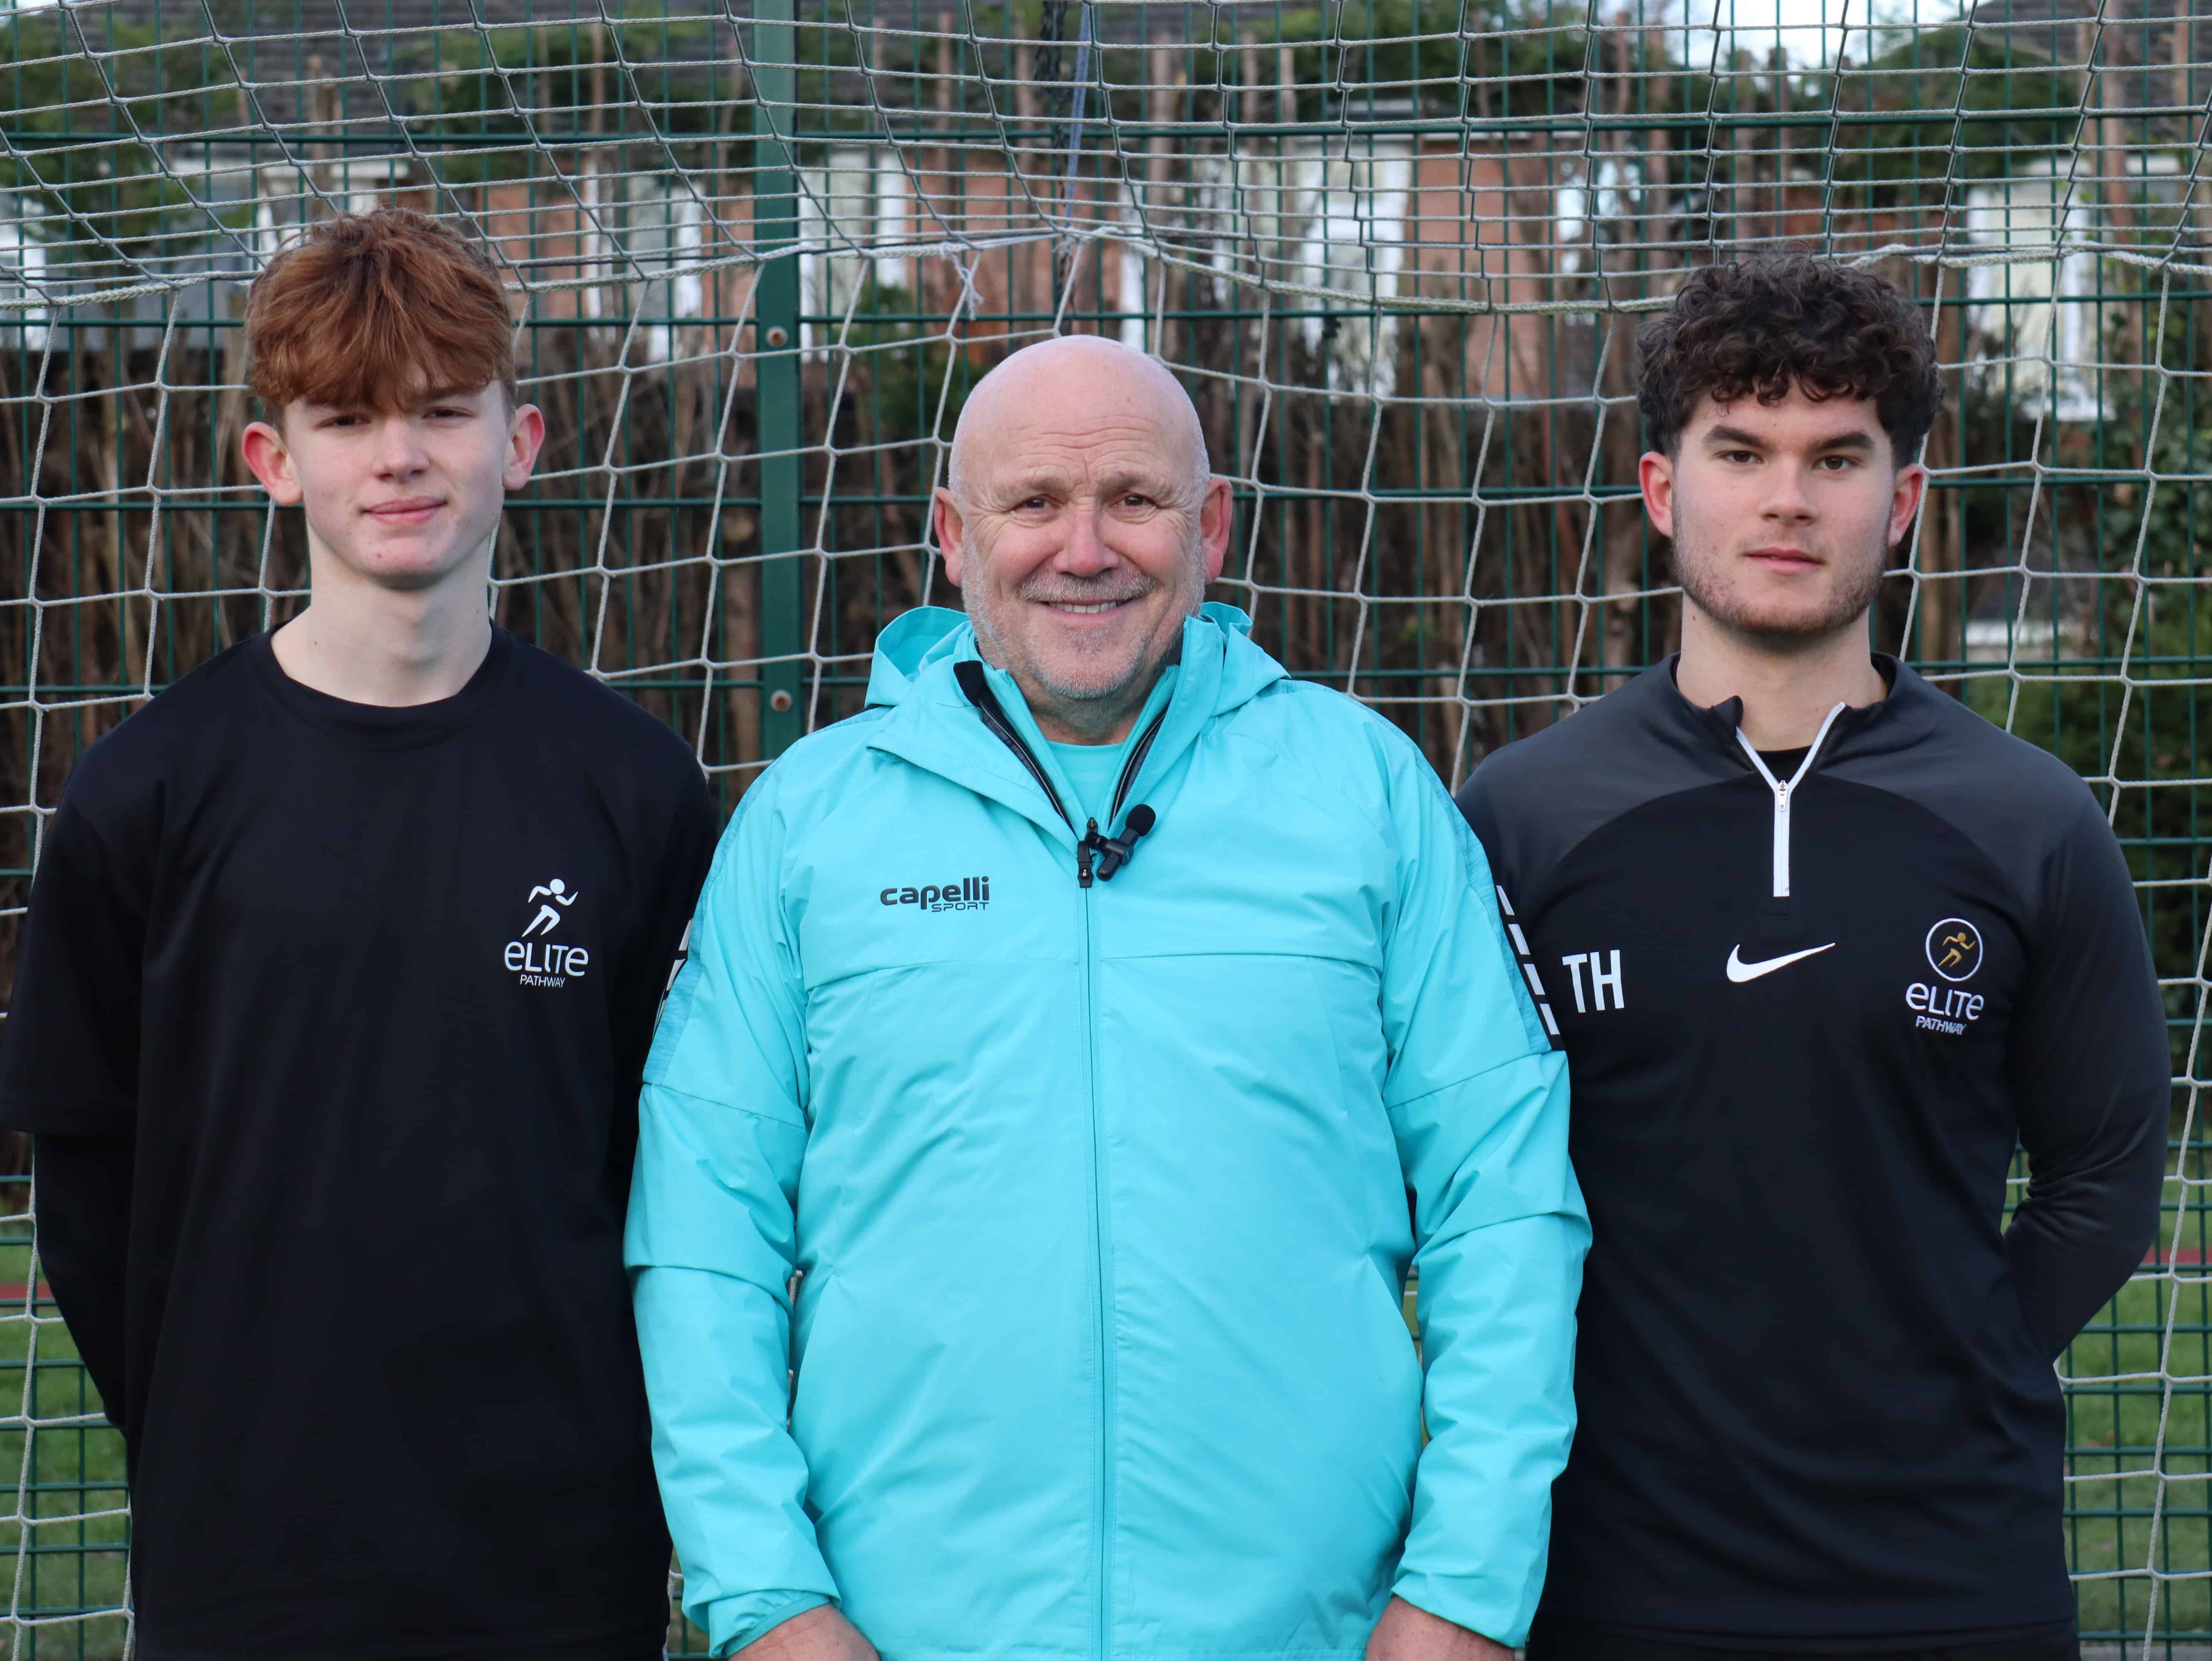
542,960
1954,950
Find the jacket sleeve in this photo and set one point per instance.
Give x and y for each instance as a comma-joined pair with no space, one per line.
2093,1081
1477,1101
710,1243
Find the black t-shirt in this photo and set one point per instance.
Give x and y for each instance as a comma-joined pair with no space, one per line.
362,996
1817,1410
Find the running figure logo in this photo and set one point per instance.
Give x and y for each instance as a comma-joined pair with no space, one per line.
1954,949
536,958
555,895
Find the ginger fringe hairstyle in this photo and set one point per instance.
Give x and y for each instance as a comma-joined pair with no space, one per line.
370,311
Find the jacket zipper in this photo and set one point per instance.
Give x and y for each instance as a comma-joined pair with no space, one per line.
1783,792
1112,852
987,705
1101,1300
1129,768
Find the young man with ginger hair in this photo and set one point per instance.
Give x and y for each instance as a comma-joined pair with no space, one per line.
334,1124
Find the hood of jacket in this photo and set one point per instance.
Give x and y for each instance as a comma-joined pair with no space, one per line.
930,722
917,650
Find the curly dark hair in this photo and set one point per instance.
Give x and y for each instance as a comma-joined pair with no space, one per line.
1764,324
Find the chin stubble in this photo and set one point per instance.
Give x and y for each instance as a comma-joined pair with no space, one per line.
1076,701
1847,605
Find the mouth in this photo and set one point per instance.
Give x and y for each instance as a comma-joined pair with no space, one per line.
408,510
1784,559
1078,610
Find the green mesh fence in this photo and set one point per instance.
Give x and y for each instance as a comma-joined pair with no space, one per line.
1399,249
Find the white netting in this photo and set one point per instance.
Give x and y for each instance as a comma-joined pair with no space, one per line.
1399,250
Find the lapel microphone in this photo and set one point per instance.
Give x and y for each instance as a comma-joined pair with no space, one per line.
1115,852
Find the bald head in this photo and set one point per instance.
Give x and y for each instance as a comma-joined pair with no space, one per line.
1077,379
1082,525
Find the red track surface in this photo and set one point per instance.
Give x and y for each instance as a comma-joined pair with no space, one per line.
2186,1257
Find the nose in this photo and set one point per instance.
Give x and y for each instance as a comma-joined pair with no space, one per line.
1084,553
399,452
1787,498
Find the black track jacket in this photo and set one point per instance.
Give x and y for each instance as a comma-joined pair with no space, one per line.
1806,1022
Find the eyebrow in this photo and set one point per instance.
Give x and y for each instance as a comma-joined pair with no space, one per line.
1151,484
1855,439
1023,486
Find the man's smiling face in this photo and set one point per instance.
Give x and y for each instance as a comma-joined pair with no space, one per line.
404,497
1782,515
1082,529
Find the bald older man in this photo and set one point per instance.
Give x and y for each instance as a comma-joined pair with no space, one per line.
1021,1219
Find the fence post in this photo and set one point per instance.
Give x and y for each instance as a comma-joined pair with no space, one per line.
775,341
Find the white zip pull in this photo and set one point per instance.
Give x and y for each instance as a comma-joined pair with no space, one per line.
1782,789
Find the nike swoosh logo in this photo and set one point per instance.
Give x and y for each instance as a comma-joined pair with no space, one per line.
1739,972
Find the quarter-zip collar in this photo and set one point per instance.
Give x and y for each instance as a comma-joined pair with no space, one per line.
1783,791
1902,717
934,725
1715,736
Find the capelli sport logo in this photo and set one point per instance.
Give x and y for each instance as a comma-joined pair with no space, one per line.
961,894
536,958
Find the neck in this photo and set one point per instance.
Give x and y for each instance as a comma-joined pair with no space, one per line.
366,643
1089,721
1787,691
1061,719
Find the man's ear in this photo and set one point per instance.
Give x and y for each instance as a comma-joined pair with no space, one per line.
1655,472
526,437
1904,500
1216,513
951,533
266,453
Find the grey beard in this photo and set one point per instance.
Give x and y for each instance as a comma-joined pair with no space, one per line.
1082,591
1090,708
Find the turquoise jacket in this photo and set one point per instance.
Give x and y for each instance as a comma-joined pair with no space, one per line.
1096,1194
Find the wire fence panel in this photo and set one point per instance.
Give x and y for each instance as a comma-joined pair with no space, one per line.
1397,249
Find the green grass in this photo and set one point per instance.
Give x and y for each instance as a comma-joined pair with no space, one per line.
2125,1418
2139,1440
2140,1407
59,1568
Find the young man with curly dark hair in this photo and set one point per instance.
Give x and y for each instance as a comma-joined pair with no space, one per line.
1822,946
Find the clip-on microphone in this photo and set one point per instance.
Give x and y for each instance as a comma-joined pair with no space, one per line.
1115,852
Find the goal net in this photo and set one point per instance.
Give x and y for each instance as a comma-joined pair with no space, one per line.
1397,249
